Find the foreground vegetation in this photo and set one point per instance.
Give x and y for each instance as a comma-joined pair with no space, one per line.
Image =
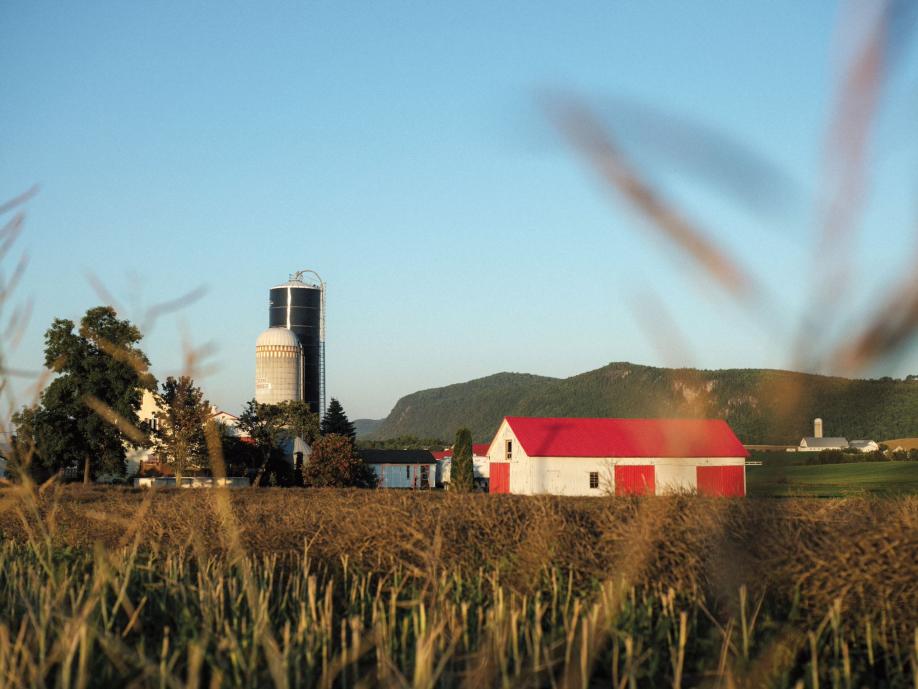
108,587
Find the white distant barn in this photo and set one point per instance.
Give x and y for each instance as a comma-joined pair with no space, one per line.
864,445
564,456
820,444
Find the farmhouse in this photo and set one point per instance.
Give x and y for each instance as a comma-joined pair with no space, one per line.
402,468
565,456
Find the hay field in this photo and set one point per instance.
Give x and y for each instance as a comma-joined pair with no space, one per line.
272,587
904,443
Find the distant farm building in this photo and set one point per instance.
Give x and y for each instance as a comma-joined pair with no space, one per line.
817,443
565,456
864,445
402,468
820,444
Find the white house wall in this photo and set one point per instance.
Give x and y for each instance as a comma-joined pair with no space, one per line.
571,475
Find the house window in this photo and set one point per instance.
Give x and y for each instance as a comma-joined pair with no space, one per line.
154,424
594,479
508,449
407,471
425,475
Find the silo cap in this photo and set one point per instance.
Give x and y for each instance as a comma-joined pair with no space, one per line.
278,337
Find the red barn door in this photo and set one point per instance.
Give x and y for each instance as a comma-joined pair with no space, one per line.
634,480
499,481
722,481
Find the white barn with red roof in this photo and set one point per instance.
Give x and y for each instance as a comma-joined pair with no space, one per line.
565,456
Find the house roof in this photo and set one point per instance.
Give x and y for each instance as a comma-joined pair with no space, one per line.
564,437
825,442
396,456
441,454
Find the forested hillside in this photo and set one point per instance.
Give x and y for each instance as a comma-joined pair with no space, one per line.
762,406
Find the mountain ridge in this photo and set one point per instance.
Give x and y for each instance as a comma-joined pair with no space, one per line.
767,406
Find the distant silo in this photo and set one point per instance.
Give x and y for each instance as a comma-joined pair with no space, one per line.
299,306
278,367
817,428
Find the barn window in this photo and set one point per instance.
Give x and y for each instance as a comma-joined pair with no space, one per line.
594,479
508,447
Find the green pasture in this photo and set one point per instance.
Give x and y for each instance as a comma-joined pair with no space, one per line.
832,480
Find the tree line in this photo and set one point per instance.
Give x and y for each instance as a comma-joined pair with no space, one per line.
86,421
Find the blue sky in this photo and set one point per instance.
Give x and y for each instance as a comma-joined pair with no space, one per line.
397,148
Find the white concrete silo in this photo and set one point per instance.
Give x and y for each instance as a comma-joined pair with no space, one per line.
278,367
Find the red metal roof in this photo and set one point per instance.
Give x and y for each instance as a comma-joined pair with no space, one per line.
558,437
478,450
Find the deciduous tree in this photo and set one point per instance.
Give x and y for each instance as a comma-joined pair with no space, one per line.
179,436
88,413
335,463
272,427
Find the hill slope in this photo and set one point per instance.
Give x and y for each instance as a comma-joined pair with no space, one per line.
762,405
365,427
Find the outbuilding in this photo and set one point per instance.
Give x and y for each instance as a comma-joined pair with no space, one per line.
402,468
864,445
565,456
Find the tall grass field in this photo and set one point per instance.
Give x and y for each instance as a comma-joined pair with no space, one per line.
103,587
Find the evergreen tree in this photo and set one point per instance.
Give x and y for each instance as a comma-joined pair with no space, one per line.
335,422
334,463
88,413
462,473
179,436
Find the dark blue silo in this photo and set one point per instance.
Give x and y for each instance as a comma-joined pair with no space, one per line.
297,306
